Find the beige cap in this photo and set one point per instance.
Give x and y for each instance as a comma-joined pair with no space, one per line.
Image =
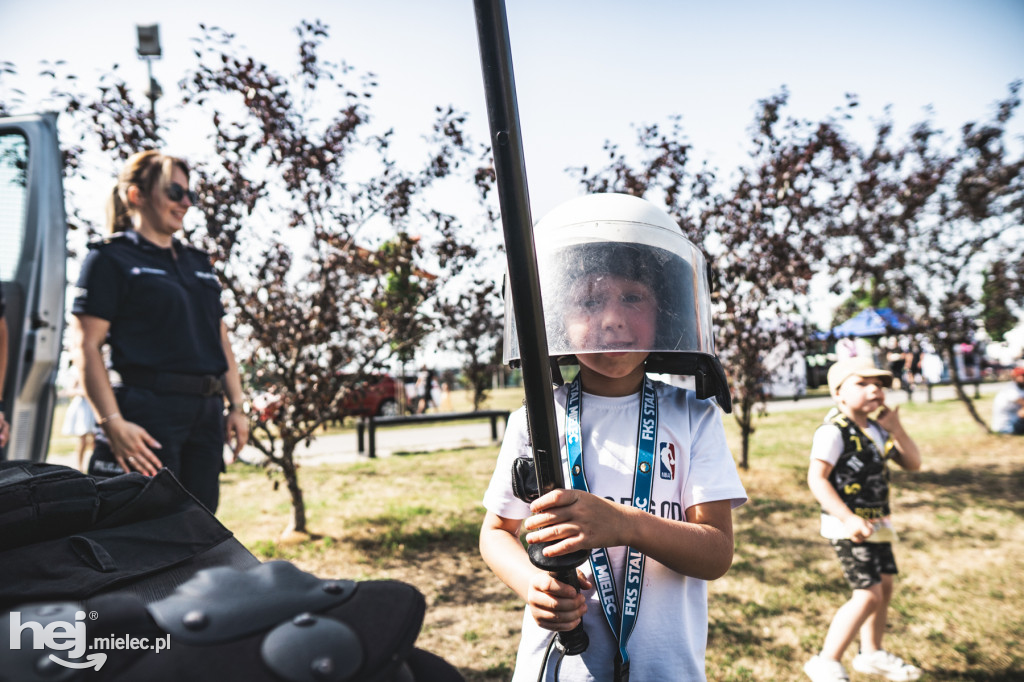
859,366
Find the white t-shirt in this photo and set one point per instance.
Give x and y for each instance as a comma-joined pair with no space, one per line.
828,446
693,465
1004,408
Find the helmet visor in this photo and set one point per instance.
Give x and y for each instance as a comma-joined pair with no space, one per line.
636,288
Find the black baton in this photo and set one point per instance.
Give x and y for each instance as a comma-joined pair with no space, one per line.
524,282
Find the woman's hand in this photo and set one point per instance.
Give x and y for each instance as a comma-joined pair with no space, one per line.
236,432
131,446
555,605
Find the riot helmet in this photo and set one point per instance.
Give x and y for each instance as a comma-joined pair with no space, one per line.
603,249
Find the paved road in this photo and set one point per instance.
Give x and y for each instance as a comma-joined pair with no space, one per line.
390,441
893,397
407,439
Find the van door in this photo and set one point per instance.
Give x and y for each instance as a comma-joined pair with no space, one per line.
33,234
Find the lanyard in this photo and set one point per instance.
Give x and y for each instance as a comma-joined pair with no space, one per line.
621,623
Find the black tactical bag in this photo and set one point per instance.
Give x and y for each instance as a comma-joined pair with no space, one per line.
155,589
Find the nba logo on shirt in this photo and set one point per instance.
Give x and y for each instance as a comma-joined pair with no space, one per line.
667,457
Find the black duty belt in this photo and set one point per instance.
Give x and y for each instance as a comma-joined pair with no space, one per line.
172,382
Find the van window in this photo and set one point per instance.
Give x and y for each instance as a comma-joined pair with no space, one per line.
13,199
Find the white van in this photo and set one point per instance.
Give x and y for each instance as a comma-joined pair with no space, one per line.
33,253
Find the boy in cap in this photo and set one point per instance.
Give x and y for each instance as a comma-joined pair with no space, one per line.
849,476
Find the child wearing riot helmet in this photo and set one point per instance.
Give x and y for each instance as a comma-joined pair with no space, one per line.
849,477
624,293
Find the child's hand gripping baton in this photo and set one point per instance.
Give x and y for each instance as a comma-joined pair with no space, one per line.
524,282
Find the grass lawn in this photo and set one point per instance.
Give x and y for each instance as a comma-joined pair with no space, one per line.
957,610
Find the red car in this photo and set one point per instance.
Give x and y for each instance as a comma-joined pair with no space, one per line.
379,396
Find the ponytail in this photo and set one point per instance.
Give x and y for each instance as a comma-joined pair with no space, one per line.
118,217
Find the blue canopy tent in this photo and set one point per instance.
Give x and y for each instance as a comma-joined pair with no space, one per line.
872,322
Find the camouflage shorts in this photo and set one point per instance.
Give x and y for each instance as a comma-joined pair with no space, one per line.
864,562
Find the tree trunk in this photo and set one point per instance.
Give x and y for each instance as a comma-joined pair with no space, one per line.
744,418
954,376
291,477
479,387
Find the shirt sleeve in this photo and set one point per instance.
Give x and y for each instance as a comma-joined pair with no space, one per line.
827,444
499,498
99,287
3,306
712,475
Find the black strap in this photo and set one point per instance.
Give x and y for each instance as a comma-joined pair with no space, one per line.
171,382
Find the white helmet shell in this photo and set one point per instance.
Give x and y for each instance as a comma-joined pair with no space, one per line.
617,274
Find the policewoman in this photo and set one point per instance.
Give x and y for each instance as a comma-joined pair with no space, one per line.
156,302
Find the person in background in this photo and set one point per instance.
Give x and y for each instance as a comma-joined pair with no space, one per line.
896,357
913,364
933,369
1008,406
5,429
410,391
425,383
446,395
156,301
80,422
849,477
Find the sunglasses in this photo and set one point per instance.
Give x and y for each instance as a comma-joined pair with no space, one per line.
176,193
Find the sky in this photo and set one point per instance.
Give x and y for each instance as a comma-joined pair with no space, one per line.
586,71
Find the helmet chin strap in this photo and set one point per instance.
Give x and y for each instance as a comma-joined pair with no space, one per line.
556,373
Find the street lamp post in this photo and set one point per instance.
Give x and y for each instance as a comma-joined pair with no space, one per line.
149,50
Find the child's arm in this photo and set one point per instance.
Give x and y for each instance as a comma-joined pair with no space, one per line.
817,478
554,605
910,456
700,547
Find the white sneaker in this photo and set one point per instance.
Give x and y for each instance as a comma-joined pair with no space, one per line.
824,670
883,663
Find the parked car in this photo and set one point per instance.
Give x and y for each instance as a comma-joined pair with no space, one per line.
379,396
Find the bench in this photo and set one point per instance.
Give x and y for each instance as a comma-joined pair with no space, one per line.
371,424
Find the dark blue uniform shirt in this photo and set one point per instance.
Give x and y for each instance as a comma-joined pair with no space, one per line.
164,312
